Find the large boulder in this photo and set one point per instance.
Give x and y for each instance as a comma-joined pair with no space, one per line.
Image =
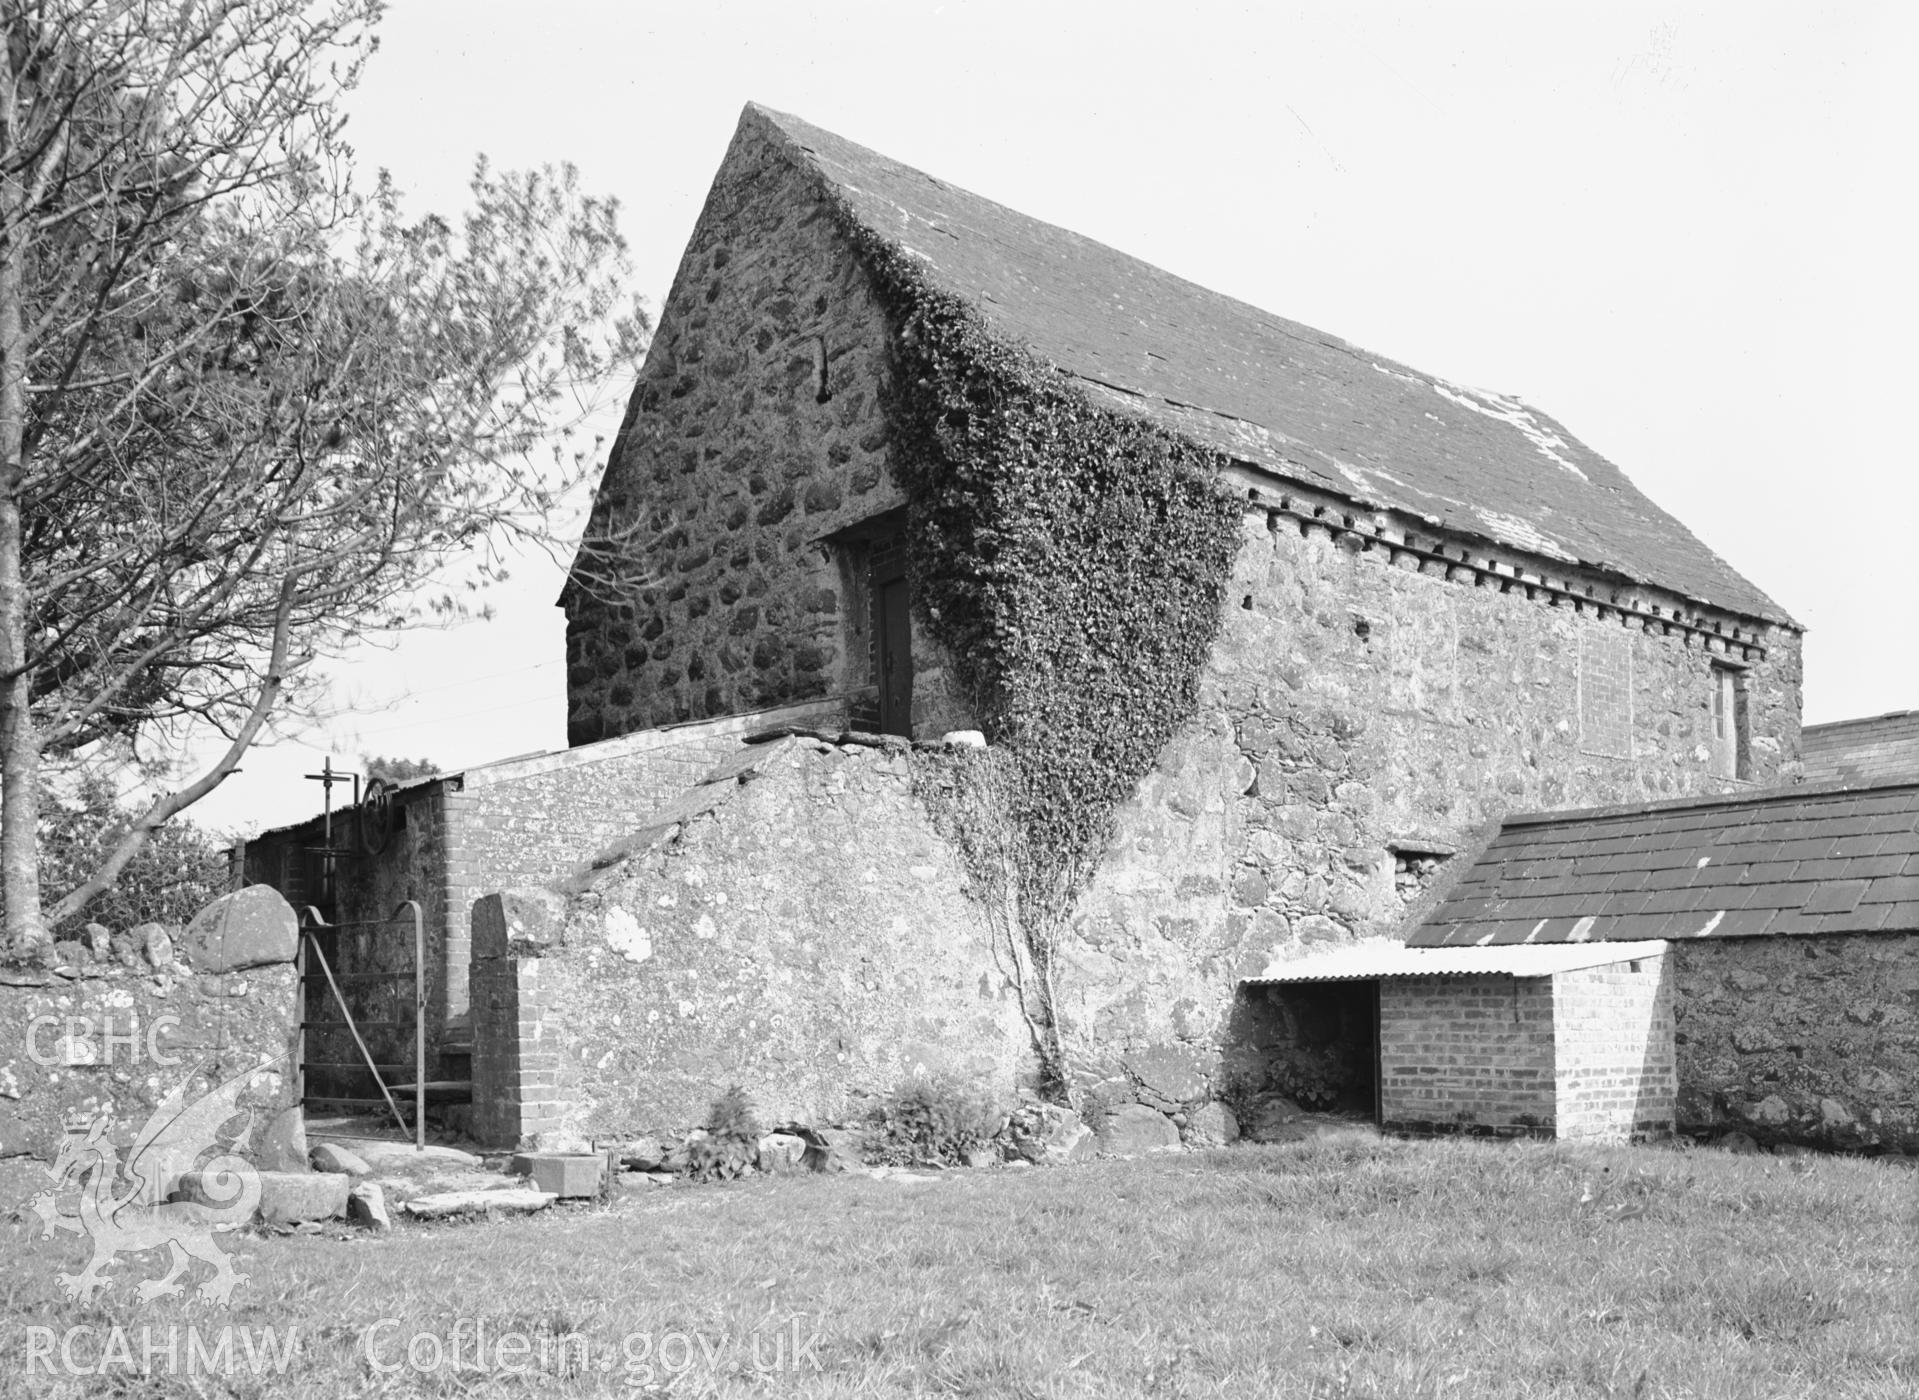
331,1157
253,927
1169,1076
1134,1128
1211,1125
285,1197
366,1205
1049,1135
283,1146
155,944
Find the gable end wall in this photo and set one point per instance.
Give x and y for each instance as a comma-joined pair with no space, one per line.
730,474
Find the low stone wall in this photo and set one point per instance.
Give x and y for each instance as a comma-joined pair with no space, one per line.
795,926
113,1028
1467,1054
1613,1051
1811,1040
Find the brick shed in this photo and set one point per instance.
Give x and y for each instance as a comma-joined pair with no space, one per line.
1793,919
1565,1041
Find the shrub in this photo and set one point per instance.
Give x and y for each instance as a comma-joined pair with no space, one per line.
732,1141
181,869
936,1119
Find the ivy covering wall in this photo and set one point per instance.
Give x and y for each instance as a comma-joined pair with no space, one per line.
1075,560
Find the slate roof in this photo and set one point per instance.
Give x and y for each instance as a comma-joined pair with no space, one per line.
1272,392
1883,748
1793,861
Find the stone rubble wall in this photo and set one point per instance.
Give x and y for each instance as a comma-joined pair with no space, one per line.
1467,1054
113,1031
730,472
796,927
526,823
1809,1040
1361,707
1613,1051
519,822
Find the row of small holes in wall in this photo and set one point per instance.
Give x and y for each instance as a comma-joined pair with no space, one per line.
1458,555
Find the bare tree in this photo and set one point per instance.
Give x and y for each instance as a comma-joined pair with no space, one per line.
246,415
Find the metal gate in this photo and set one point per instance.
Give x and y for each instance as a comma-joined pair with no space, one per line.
349,1083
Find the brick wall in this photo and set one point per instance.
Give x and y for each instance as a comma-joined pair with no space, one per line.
1467,1054
1613,1051
516,1068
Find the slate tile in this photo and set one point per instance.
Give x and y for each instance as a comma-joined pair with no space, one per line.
1627,880
1826,868
1544,869
1632,902
1669,859
1770,871
1881,803
1794,921
1670,902
1835,896
1743,923
1510,930
1636,926
1903,915
1717,874
1894,823
1864,845
1673,879
1894,891
1843,827
1806,848
1865,918
1873,867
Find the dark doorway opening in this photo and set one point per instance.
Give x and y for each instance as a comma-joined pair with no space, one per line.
893,633
1313,1044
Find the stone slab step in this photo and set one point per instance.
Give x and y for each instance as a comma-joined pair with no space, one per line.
447,1203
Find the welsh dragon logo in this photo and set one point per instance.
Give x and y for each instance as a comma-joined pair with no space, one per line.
123,1207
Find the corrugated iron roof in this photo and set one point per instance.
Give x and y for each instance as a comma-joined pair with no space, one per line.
1272,392
1791,861
1362,962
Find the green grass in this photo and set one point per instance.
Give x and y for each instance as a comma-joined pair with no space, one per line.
1351,1269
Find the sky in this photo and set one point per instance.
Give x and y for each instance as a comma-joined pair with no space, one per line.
1684,231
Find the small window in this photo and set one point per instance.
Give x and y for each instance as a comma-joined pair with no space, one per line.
1730,752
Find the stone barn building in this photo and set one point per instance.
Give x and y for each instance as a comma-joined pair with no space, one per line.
1425,606
1439,607
1792,919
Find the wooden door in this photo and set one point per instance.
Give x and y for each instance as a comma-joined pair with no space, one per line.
895,633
